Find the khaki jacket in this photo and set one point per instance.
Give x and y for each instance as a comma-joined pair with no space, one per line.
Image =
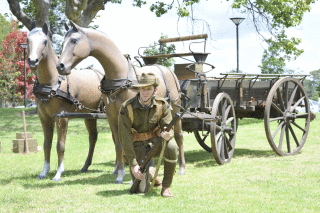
144,120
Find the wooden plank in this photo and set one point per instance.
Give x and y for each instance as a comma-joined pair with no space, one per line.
183,38
168,55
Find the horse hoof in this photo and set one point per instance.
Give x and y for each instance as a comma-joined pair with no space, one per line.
181,172
56,179
84,170
118,182
41,177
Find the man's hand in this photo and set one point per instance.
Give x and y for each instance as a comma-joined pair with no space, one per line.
136,172
166,135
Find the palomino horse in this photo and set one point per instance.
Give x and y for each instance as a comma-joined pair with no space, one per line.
79,43
55,94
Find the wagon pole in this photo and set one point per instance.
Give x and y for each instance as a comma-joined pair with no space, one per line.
26,145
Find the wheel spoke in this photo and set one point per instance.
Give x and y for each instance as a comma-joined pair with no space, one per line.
226,152
227,113
228,143
205,137
229,120
288,139
298,102
276,107
223,108
292,96
294,135
221,148
286,92
276,119
278,128
279,96
281,137
299,127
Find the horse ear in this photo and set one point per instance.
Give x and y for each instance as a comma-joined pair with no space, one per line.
74,26
45,28
66,26
33,25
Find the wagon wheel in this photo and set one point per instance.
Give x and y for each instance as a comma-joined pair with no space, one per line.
285,129
223,131
202,140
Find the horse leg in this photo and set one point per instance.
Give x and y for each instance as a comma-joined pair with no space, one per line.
178,136
119,168
62,128
48,128
91,125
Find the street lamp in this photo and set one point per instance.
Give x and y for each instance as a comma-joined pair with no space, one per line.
237,21
24,46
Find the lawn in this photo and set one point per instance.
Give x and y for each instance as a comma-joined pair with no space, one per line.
256,180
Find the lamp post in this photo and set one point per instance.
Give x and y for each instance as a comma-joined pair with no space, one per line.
237,21
24,46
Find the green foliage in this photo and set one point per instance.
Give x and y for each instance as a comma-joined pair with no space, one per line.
57,15
5,29
160,8
272,63
155,49
314,83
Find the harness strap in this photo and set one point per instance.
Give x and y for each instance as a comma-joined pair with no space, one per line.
45,93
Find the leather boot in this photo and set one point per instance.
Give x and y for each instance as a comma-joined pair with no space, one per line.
169,171
166,192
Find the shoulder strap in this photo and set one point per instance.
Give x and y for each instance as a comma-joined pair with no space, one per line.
159,110
130,112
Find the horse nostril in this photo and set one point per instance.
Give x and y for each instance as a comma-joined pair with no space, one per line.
60,66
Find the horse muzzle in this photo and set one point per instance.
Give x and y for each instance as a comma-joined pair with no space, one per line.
33,63
62,69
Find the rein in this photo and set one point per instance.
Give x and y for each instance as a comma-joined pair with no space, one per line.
45,93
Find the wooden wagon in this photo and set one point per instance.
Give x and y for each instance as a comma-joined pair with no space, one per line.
216,103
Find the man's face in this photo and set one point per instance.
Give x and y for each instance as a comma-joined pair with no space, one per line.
146,92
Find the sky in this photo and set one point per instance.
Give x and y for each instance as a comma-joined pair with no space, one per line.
131,28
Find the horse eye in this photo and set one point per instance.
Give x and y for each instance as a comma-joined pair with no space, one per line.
74,41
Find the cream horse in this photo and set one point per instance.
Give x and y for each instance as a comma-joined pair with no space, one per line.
79,43
43,60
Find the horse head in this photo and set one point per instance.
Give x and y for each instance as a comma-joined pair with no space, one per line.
76,47
38,40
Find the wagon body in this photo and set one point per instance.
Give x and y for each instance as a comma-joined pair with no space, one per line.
214,105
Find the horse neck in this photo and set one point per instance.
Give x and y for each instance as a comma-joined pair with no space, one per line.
108,54
47,72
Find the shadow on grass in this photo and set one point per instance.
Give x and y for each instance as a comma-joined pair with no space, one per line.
91,177
254,153
202,158
112,193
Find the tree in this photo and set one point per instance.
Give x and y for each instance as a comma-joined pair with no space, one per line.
315,84
157,49
12,68
272,15
4,29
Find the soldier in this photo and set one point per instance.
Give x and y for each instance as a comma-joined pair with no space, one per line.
142,121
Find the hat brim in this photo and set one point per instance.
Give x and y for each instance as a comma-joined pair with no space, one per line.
141,85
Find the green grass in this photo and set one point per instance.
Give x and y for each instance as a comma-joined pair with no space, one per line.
256,180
